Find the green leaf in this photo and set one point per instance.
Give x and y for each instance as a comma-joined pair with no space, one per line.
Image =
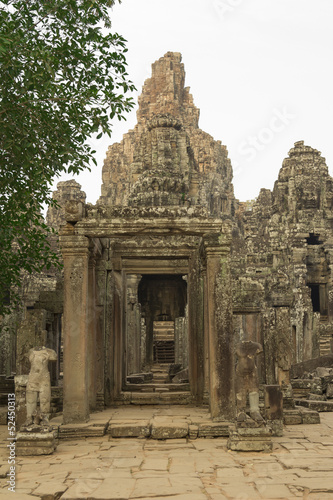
56,91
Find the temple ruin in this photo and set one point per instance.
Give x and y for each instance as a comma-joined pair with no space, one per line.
168,272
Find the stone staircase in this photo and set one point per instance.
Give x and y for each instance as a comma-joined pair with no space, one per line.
159,390
160,373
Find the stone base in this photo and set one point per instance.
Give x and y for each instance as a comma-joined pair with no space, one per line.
35,443
130,428
250,439
300,415
276,426
214,429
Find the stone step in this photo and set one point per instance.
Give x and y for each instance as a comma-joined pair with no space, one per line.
152,387
159,428
155,398
315,405
300,415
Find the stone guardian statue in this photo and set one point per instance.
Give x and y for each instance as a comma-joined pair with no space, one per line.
39,384
247,381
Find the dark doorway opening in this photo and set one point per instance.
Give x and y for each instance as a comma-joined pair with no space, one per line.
315,297
313,239
163,299
319,298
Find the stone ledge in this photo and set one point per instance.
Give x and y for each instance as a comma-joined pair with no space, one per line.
77,431
315,405
129,428
171,430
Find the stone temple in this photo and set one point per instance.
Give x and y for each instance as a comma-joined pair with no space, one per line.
168,271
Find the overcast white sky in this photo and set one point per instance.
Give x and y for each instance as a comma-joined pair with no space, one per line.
260,71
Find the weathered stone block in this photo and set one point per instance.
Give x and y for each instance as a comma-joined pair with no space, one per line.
251,439
248,445
193,431
214,429
277,427
253,432
122,429
310,417
135,379
316,397
35,443
316,405
292,417
181,377
169,430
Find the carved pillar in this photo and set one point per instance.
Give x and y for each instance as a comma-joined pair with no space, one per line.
133,324
75,325
206,334
220,328
92,354
194,321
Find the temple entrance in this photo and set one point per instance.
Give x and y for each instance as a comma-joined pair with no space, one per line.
161,338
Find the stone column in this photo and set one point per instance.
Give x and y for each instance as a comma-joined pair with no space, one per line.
206,334
75,253
92,354
133,324
220,328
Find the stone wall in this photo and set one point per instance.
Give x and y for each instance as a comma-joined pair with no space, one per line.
281,260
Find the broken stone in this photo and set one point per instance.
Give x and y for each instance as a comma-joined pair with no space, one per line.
181,377
316,397
322,371
329,391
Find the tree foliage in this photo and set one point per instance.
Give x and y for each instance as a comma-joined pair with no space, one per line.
62,79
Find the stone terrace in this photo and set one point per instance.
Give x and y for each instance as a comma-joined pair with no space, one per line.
300,466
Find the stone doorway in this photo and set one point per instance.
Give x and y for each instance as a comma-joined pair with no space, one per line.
161,340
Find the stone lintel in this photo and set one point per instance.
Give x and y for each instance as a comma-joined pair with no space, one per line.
160,227
154,266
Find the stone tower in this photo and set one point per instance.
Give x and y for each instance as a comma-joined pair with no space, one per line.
166,160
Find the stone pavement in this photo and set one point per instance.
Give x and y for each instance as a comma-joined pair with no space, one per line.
300,466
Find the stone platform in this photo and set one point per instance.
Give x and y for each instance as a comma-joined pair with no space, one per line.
320,406
300,466
157,422
161,422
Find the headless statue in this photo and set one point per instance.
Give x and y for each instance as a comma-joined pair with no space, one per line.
247,381
39,383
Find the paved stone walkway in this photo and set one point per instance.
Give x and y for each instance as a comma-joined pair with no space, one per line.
300,466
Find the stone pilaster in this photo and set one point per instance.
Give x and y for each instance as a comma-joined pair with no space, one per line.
133,324
75,251
92,354
206,335
220,329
